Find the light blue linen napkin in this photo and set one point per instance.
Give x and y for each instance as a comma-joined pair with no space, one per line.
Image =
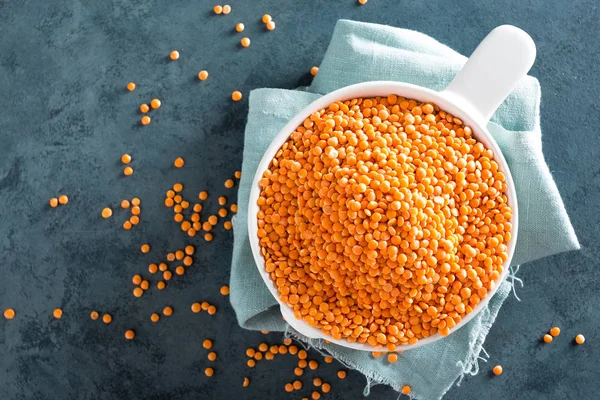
361,52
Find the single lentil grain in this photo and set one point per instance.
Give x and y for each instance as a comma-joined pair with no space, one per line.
218,9
555,331
312,364
209,371
124,204
178,187
314,71
155,103
328,359
174,55
167,311
251,363
270,25
63,199
497,370
239,27
106,212
266,18
131,86
146,120
94,315
392,358
57,313
203,75
341,374
315,395
154,317
224,290
129,334
547,338
226,9
297,385
326,387
127,225
145,248
144,108
179,162
138,292
246,382
53,202
207,344
245,42
125,158
212,310
580,339
107,318
9,313
203,195
212,356
406,390
161,285
237,95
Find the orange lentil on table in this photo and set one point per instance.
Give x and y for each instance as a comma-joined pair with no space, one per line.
189,250
178,187
203,195
127,225
167,311
205,305
298,371
239,27
53,202
138,292
341,374
266,18
196,308
212,356
174,55
146,120
392,358
128,171
222,200
162,267
555,331
362,2
136,201
63,199
497,370
125,204
155,103
246,382
203,75
207,344
315,395
245,42
161,285
212,310
237,95
209,371
131,86
208,237
314,71
293,350
258,356
218,9
580,339
250,352
317,382
233,208
270,25
106,213
57,313
269,356
144,108
167,275
94,315
289,387
134,219
263,347
312,364
229,182
328,359
227,225
397,211
251,363
187,261
137,279
179,162
287,341
226,9
154,317
107,318
145,248
224,290
547,338
130,334
222,212
302,363
145,285
406,389
326,387
180,270
274,349
125,158
297,385
9,313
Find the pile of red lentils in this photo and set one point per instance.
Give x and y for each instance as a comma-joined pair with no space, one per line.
383,221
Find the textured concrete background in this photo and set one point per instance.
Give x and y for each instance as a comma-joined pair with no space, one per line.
65,119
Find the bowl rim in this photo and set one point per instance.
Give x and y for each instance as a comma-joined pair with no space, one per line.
447,103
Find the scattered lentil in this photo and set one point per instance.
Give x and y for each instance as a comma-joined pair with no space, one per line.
224,290
179,162
406,390
107,318
246,382
212,356
226,9
53,202
209,372
174,55
245,42
237,95
555,331
314,71
57,313
239,27
207,344
155,103
341,374
129,334
145,248
167,311
146,120
580,339
547,338
94,315
106,212
218,9
131,86
144,108
63,199
266,19
497,370
154,317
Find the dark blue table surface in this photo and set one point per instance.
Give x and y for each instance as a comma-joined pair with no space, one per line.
65,120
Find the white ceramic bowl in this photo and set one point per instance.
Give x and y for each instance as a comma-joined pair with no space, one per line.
492,71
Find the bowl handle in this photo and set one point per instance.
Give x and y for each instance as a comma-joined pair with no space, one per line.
491,73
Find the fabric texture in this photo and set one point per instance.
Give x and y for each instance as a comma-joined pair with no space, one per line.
361,52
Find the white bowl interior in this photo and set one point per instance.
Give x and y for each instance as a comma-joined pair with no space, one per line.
373,89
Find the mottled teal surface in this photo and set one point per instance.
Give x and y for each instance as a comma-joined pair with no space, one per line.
65,119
